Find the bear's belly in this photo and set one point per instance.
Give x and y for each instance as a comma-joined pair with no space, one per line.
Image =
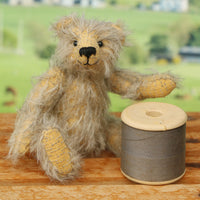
80,112
82,116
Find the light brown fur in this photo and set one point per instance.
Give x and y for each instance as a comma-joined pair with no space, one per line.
65,117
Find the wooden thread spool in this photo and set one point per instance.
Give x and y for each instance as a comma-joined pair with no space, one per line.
153,143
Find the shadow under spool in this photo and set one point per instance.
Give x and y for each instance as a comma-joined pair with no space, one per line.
153,143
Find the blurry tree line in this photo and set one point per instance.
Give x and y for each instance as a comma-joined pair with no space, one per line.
9,39
181,33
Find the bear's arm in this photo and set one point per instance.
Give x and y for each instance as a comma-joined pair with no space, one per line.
42,98
47,91
137,86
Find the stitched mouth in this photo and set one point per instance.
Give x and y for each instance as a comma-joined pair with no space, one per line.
87,63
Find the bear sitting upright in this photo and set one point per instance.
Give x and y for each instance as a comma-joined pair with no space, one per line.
65,117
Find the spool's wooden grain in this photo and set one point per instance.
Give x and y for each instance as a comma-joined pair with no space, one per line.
153,143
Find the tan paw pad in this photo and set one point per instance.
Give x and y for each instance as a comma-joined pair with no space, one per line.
157,88
57,151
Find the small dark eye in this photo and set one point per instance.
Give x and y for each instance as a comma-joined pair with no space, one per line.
100,43
75,43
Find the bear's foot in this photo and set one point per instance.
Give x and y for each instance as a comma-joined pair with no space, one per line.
58,161
57,151
19,141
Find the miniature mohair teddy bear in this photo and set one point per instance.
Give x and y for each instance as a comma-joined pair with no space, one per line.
65,117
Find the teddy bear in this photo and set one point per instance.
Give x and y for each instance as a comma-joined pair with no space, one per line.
65,117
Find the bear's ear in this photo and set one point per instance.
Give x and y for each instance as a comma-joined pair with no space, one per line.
119,27
61,25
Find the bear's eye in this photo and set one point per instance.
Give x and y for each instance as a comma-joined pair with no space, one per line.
75,43
100,43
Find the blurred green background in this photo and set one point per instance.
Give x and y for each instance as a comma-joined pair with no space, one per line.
28,43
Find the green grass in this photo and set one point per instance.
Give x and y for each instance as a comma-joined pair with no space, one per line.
16,70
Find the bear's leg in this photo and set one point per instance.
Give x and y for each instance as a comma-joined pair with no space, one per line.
113,135
57,159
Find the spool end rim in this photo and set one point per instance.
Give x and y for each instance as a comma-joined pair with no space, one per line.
153,183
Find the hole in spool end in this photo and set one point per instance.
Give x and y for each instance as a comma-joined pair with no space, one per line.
153,113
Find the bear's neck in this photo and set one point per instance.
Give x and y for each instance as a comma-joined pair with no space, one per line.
96,72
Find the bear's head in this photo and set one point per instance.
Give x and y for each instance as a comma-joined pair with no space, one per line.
89,45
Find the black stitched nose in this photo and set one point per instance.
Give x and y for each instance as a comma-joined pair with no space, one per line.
87,51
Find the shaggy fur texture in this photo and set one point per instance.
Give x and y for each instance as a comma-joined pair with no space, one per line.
65,117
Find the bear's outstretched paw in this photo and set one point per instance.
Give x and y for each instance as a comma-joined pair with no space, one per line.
159,85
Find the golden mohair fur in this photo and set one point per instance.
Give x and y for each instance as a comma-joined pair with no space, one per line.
65,117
